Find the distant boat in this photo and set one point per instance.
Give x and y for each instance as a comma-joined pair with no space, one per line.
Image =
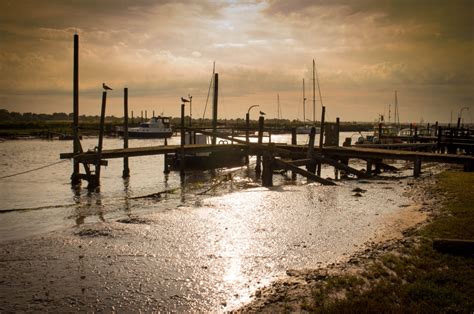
307,129
156,127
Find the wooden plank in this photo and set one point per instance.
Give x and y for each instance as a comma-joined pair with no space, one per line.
454,246
304,173
355,152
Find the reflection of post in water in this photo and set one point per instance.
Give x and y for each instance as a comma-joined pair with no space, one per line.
127,208
93,207
183,188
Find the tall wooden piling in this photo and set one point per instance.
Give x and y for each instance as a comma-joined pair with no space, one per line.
321,137
267,173
311,167
214,108
75,110
126,169
258,166
417,167
436,129
247,140
166,169
183,139
294,141
96,180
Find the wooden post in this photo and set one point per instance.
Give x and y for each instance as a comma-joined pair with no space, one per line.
142,116
75,110
258,167
214,108
267,174
417,168
247,140
311,167
436,128
380,132
96,180
126,169
146,115
153,113
294,141
439,134
321,138
166,169
458,124
232,135
369,166
336,171
181,159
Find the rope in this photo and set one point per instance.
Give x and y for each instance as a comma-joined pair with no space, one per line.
31,170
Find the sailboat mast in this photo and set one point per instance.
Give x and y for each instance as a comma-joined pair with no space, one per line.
304,104
278,107
319,88
397,114
314,96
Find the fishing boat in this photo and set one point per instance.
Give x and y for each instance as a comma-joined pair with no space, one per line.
232,157
156,127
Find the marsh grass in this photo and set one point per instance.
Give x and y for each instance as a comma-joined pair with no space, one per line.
414,278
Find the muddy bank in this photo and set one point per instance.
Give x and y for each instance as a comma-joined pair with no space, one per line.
209,253
298,290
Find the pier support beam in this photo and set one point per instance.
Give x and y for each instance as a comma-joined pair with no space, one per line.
294,141
369,166
311,167
94,181
267,174
183,139
258,167
417,167
126,169
75,178
321,137
214,108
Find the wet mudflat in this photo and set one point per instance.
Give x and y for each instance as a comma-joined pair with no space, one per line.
187,250
212,255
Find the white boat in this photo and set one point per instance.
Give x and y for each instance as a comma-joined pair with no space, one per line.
306,130
156,127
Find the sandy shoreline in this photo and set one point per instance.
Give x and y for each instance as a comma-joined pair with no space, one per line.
97,267
293,291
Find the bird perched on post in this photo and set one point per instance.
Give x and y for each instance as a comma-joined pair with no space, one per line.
184,99
262,113
105,87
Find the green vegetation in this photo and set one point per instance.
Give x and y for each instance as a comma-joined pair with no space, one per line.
414,278
15,124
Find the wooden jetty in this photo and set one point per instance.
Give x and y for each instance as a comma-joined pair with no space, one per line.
271,155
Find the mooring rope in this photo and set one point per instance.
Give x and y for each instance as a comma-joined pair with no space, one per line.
31,170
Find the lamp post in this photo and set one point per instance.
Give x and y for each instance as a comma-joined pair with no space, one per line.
247,122
460,114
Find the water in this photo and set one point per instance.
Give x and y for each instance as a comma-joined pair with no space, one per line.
198,251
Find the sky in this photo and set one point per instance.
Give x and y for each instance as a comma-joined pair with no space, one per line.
162,50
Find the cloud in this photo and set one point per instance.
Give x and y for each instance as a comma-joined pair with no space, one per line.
161,49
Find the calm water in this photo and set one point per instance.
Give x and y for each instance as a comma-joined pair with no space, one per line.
249,234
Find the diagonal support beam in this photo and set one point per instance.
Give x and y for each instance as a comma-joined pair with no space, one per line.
304,173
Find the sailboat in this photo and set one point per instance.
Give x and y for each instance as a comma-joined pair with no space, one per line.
307,129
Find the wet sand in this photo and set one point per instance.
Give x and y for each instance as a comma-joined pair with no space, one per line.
215,257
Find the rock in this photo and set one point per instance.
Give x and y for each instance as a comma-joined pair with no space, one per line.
359,190
357,195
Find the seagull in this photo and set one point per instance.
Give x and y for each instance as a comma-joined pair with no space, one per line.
105,87
262,113
184,99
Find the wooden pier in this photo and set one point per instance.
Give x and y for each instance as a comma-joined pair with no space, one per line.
271,156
